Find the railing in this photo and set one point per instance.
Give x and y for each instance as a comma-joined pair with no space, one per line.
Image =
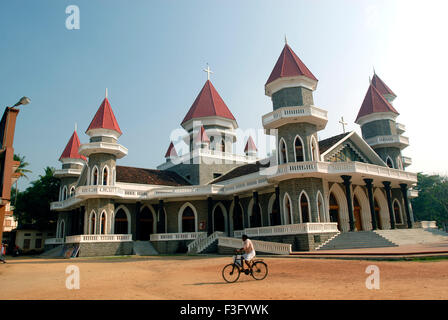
407,161
99,238
400,127
51,241
176,236
294,112
260,246
425,224
203,242
388,140
300,228
64,204
238,233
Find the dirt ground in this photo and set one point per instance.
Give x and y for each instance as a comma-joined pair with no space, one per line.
192,278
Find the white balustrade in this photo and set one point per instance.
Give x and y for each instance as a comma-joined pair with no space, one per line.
176,236
98,238
300,228
203,242
259,246
52,241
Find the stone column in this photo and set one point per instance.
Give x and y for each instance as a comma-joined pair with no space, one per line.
404,191
210,215
160,218
389,203
348,195
369,186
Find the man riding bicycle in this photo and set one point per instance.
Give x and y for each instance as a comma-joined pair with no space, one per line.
249,252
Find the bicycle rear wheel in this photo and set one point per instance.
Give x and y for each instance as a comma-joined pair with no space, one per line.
259,270
231,273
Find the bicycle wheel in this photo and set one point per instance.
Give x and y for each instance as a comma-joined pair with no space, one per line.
259,270
231,273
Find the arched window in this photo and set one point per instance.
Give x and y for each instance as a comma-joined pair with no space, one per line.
377,214
61,229
121,222
92,223
389,162
105,176
145,224
334,210
397,212
223,145
103,223
237,214
314,156
357,213
72,191
304,208
188,220
288,210
219,219
283,152
320,207
298,149
95,176
64,193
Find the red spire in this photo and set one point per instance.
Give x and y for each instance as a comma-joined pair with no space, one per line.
381,86
104,118
374,102
71,149
250,145
202,136
207,104
289,65
171,152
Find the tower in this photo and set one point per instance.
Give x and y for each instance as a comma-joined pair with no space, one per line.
297,121
102,151
377,118
290,86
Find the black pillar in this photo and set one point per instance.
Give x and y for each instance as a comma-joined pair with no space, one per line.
137,234
348,195
228,220
404,191
255,211
389,203
277,219
210,215
160,218
369,186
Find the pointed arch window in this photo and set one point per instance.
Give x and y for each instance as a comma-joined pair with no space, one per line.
314,156
288,210
298,147
92,225
72,191
223,145
64,193
105,176
95,176
283,152
304,208
103,223
389,163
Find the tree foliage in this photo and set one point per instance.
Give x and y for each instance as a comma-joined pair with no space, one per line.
432,201
33,204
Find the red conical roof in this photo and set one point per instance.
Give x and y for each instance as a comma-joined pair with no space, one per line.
250,145
71,149
207,104
374,102
289,65
202,136
104,118
171,152
381,86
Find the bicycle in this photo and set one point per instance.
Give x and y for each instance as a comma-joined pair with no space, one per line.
231,272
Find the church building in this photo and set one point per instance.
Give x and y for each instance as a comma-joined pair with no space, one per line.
303,195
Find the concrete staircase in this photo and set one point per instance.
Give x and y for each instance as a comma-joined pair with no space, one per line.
144,248
355,240
414,236
53,253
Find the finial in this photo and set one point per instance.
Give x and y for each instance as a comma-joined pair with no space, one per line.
374,73
286,40
76,127
106,92
208,71
370,80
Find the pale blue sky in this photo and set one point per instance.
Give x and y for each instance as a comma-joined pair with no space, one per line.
150,55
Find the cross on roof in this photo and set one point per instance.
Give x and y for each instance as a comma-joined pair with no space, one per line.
208,71
343,123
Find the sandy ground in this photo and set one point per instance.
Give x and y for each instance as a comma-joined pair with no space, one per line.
200,278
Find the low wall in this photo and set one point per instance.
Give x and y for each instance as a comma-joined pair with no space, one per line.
300,242
171,246
94,249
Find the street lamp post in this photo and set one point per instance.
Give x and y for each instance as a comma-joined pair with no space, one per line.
7,129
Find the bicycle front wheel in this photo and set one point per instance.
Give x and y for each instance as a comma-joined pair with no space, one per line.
259,270
231,273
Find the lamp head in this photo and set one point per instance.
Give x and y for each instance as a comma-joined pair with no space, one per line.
22,101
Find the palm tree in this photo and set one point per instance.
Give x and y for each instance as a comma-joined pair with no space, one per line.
21,171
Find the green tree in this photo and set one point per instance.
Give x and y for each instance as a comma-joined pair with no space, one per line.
432,201
33,204
22,171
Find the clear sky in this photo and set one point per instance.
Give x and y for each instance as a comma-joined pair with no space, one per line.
150,55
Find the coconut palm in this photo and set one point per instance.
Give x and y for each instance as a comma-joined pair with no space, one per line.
21,171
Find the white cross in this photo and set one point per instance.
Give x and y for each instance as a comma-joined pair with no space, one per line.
208,71
76,126
106,92
343,123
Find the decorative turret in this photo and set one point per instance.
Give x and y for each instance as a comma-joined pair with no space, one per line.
377,118
170,153
72,165
290,86
250,149
103,148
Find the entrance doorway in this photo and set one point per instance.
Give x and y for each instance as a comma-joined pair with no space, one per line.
218,220
357,214
377,215
334,211
121,223
238,218
145,224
